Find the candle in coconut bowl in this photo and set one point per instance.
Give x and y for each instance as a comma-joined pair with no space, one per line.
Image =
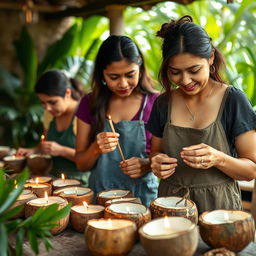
40,179
232,229
33,205
63,182
15,163
136,212
174,206
107,237
39,188
81,213
169,236
104,196
75,194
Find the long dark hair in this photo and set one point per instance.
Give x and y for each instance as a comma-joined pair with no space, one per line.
184,36
55,83
114,48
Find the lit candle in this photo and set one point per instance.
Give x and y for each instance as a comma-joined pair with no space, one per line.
39,188
171,233
63,182
75,195
116,236
113,130
41,179
15,163
106,195
42,139
33,205
136,212
81,213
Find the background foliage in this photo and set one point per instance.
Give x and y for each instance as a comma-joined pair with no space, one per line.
231,27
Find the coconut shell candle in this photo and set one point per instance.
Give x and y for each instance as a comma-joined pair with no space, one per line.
169,236
82,213
75,195
232,229
122,200
25,196
39,188
106,195
40,179
138,213
110,237
39,164
63,182
32,206
174,206
15,163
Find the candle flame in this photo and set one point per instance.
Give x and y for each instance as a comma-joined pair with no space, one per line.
166,222
46,197
85,205
37,180
63,176
109,222
15,182
109,117
42,137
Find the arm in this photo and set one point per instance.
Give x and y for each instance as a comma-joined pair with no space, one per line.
88,153
241,168
162,165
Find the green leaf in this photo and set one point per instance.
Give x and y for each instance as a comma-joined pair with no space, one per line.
62,213
11,213
44,214
33,240
3,240
47,243
19,242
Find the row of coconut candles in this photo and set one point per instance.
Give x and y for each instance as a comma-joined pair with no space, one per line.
119,214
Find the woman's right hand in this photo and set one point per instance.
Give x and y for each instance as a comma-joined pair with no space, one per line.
163,166
107,142
24,151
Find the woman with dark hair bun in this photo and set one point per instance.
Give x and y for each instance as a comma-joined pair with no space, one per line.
204,136
122,89
59,96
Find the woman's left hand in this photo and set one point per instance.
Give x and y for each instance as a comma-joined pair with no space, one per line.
135,167
201,156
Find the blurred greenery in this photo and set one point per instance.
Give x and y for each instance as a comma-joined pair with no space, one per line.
231,27
34,228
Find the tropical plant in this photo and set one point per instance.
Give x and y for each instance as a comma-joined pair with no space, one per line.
33,228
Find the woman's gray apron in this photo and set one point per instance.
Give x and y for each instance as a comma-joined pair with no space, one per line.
210,189
107,174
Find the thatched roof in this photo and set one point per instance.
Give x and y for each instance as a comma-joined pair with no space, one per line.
83,8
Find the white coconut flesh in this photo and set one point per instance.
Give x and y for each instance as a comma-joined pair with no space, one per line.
167,227
130,208
223,216
73,191
170,202
114,193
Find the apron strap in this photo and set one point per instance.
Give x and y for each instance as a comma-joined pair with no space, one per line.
223,103
143,107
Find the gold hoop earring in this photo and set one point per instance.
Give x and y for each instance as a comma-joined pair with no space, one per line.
212,69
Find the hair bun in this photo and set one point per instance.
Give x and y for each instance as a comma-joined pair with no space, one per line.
167,27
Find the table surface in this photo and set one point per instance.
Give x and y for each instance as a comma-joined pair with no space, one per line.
72,243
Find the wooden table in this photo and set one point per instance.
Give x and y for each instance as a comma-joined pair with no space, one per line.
72,243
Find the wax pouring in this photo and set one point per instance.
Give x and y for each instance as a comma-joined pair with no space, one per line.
169,236
81,213
15,163
232,229
136,212
111,194
63,182
75,194
39,188
107,237
33,205
174,206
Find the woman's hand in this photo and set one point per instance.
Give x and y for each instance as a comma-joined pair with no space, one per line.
163,166
201,156
51,148
135,167
107,142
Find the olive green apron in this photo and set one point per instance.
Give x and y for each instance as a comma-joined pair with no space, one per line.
61,164
209,188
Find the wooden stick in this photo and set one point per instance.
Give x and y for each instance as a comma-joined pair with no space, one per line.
113,130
